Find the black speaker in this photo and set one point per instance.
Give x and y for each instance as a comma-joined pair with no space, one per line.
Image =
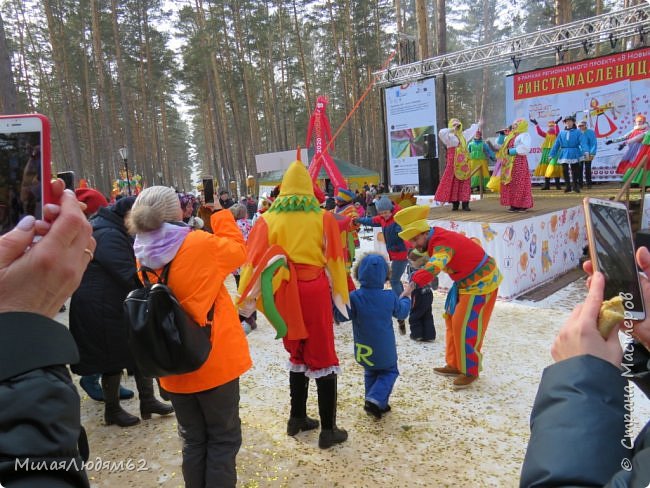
429,146
428,175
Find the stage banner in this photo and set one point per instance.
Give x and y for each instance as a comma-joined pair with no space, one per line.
528,252
410,114
607,92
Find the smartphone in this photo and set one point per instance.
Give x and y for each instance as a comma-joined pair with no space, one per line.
24,168
208,189
612,252
68,179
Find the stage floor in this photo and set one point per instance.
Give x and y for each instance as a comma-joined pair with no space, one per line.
490,210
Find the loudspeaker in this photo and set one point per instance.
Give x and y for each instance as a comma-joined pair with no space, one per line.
429,146
428,175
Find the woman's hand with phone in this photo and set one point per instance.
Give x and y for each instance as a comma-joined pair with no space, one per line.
38,277
579,335
641,329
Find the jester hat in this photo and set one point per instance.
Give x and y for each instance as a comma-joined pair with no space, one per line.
344,195
296,191
413,221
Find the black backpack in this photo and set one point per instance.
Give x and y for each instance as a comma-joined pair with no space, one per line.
163,338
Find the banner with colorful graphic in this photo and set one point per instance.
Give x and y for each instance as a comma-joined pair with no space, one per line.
410,115
607,92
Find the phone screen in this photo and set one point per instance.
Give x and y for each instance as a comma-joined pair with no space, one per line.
208,190
614,253
20,177
68,179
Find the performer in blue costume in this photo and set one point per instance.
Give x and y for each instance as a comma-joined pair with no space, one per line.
567,152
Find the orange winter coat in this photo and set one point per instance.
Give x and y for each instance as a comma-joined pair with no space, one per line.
197,276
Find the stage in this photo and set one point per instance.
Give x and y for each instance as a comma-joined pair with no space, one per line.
532,247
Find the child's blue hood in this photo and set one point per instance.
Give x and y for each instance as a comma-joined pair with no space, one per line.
373,271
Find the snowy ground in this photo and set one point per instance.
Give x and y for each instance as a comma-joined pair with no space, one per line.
434,436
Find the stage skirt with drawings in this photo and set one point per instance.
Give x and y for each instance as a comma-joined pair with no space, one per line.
626,166
518,192
484,172
543,163
451,189
554,169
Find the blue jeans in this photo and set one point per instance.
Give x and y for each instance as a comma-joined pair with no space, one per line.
379,385
397,268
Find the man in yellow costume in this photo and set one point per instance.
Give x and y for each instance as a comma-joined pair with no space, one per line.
295,270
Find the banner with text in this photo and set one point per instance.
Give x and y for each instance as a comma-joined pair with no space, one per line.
410,114
607,92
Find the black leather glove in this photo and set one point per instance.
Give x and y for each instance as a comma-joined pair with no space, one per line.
557,121
533,121
621,146
609,142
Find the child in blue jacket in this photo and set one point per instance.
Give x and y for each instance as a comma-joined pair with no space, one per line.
371,311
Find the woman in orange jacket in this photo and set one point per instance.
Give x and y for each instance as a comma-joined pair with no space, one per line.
206,400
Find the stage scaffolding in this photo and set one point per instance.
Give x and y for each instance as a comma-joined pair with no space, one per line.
613,27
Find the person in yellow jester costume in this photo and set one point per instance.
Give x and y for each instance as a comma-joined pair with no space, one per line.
295,270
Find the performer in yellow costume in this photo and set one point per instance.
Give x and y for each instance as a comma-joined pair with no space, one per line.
295,270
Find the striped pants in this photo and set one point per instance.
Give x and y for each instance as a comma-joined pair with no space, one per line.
465,331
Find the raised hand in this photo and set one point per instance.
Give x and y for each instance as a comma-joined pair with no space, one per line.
579,335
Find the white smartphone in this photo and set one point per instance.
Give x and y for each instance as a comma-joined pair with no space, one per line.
612,252
24,168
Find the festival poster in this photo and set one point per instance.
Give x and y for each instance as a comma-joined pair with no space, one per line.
605,109
607,92
410,114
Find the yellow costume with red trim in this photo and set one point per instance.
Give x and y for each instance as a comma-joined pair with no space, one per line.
295,270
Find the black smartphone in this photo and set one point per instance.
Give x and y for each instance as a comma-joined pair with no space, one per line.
68,179
24,168
612,253
208,189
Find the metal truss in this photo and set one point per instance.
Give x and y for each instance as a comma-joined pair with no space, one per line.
612,27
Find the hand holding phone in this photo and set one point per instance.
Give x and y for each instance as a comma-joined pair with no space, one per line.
579,335
63,251
612,253
68,179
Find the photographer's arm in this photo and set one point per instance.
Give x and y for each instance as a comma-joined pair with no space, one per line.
39,405
578,419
